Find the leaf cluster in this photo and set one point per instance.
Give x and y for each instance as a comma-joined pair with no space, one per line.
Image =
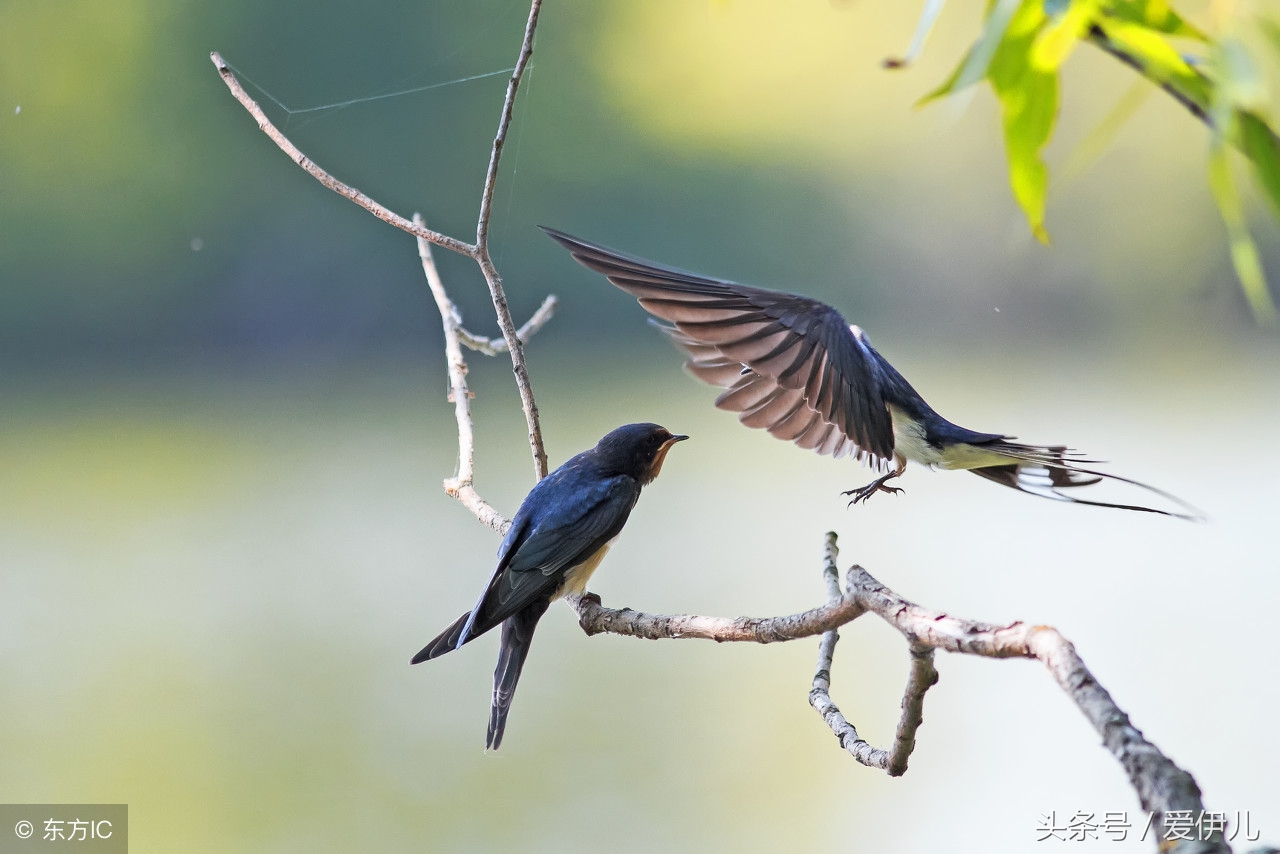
1219,80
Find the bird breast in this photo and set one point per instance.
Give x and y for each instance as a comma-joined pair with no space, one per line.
909,440
575,580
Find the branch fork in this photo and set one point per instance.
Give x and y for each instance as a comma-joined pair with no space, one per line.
1160,784
512,338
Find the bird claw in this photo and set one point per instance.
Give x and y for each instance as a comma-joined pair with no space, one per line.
865,492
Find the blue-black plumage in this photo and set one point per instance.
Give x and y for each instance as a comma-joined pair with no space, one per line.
794,366
559,535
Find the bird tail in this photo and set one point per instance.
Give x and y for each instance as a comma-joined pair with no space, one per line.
517,635
446,641
1046,470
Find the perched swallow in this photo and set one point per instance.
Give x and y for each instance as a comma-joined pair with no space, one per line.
795,367
560,533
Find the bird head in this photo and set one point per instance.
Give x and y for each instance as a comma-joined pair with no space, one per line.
636,450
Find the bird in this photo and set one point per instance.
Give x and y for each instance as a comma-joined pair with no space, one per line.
557,539
794,366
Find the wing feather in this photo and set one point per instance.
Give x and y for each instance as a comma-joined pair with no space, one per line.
791,364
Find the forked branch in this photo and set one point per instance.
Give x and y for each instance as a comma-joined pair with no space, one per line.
478,251
1161,785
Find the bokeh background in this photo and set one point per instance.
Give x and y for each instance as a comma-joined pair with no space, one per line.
224,427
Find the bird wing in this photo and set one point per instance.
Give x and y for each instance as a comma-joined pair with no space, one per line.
565,519
791,365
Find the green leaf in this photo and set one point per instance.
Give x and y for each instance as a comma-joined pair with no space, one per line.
1155,15
1158,59
946,87
979,56
1244,254
1029,107
1271,29
1055,42
1262,148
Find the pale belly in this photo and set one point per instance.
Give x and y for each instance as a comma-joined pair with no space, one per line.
909,442
575,580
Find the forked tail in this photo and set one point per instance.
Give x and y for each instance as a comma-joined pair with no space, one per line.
1046,470
517,634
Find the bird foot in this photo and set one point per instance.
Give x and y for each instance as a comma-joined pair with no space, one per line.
877,485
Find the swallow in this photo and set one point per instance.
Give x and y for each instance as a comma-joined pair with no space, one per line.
794,366
557,539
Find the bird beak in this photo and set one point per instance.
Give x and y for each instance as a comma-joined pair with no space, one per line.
658,459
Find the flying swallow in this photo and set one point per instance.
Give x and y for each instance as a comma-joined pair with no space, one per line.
559,535
794,366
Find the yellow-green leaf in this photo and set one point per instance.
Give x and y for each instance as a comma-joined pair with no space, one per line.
1155,15
1244,254
1158,59
1000,18
1029,107
1055,42
1263,150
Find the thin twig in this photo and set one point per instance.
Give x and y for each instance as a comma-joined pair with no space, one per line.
459,486
1161,785
504,122
1098,37
494,346
820,693
505,323
286,145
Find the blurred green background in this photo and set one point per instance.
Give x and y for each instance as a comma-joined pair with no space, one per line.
224,426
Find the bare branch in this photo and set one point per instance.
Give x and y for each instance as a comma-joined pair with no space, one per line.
286,145
494,346
923,677
596,619
459,486
820,694
505,323
504,122
1161,785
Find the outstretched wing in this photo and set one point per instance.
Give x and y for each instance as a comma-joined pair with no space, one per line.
791,365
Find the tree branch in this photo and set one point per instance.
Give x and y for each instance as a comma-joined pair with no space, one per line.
820,694
1160,784
1098,37
286,145
460,486
494,346
923,677
505,323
